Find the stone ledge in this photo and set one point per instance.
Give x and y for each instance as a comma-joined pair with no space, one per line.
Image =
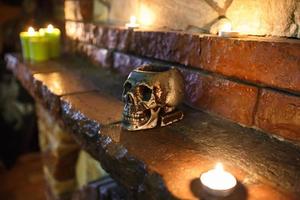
268,61
165,163
211,93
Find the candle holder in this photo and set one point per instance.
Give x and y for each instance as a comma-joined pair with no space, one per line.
218,182
132,24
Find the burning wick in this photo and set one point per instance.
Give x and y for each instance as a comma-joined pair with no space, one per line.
132,24
225,31
31,31
218,182
50,28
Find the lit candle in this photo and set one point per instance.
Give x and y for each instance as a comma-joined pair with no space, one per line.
53,35
132,24
218,182
24,37
225,31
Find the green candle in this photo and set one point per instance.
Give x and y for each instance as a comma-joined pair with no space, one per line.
38,48
53,35
25,37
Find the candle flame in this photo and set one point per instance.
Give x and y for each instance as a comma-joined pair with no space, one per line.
31,30
50,28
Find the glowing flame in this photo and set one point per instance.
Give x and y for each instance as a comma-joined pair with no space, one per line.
218,178
50,28
31,31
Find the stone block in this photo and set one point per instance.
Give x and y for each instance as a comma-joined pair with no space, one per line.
79,10
169,46
279,114
228,99
272,62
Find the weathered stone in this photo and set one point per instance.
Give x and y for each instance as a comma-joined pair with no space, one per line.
279,114
274,63
228,99
176,14
60,153
263,17
88,170
169,46
79,10
120,11
101,10
164,163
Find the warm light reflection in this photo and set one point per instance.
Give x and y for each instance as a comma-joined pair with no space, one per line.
71,29
218,179
244,29
225,27
147,17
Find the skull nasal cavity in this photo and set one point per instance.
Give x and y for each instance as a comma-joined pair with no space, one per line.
129,99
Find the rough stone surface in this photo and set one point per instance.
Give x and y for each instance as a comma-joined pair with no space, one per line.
165,163
169,46
228,99
264,17
60,153
176,14
79,10
274,63
279,114
275,18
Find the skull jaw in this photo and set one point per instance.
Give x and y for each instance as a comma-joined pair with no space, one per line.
151,122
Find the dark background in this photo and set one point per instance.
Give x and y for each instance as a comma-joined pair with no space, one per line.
18,128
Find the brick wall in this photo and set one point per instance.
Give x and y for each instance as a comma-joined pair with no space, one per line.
252,81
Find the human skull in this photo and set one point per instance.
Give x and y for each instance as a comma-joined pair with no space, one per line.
151,94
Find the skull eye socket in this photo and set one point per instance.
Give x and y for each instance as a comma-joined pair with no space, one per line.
145,92
127,87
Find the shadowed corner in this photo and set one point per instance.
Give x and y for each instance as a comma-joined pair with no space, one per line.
240,192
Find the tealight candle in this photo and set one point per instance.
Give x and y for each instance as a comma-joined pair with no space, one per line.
24,37
53,35
225,31
132,24
218,182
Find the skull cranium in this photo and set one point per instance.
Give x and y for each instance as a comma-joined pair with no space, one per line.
151,94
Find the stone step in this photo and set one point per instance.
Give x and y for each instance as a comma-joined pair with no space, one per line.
161,163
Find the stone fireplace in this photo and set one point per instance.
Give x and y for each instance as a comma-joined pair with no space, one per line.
242,96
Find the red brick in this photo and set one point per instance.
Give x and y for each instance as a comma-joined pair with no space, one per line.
177,47
279,113
228,99
274,63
